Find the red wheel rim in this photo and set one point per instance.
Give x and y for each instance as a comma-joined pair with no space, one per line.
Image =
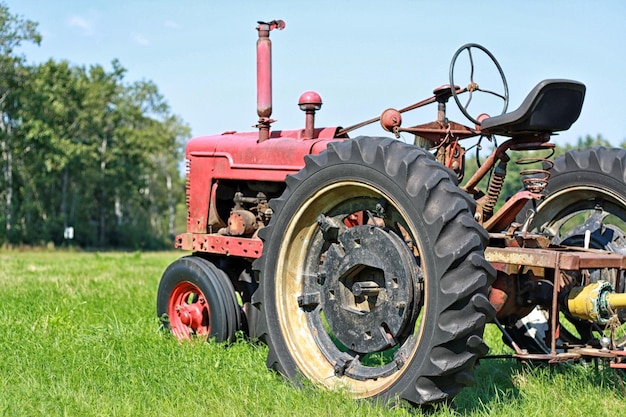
188,311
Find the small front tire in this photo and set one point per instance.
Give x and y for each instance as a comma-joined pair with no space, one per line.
197,300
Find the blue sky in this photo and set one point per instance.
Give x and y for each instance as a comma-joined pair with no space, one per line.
360,56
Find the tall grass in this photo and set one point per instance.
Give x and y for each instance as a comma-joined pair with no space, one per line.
79,337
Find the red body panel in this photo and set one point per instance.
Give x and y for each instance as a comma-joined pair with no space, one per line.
239,156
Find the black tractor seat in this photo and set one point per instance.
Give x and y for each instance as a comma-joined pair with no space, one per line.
552,106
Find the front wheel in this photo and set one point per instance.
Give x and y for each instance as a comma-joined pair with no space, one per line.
373,277
197,300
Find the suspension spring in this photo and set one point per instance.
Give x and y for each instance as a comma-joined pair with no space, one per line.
535,180
495,187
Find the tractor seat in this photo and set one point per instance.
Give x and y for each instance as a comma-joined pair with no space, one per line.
552,106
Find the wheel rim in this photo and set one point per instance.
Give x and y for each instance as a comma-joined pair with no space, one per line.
188,312
556,215
565,215
310,320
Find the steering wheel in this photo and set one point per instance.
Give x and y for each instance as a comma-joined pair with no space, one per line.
473,86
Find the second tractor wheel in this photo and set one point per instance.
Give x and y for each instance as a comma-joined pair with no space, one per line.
373,277
586,195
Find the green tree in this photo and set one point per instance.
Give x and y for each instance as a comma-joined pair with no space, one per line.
100,155
50,114
14,30
83,148
585,143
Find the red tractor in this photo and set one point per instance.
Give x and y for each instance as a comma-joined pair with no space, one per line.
362,262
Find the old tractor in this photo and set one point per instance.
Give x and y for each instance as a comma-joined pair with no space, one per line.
362,262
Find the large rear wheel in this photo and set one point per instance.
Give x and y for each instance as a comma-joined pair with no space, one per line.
373,277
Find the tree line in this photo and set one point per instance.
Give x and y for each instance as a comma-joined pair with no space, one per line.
83,150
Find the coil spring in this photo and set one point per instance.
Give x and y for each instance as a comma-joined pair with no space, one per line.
493,192
535,180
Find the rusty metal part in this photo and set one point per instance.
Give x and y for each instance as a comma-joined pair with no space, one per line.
535,180
507,213
554,311
498,297
549,357
517,290
417,105
566,259
619,359
559,260
442,95
522,143
594,353
250,248
354,219
390,120
242,223
512,238
504,295
215,221
437,131
455,159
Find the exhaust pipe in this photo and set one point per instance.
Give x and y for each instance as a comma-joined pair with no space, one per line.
264,76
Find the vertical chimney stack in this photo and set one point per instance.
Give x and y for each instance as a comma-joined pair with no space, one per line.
264,76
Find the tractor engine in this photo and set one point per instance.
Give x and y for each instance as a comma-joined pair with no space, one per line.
232,176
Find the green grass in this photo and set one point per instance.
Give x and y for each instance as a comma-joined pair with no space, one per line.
79,337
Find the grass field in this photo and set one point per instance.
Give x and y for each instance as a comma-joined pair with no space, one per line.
79,337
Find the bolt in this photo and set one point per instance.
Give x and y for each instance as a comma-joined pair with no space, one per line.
605,342
400,360
365,288
309,300
341,365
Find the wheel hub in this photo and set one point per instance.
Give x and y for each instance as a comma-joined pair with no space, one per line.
368,290
190,315
188,311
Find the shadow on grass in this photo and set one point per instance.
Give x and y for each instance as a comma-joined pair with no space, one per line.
498,383
494,384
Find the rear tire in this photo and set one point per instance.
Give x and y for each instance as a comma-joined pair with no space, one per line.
586,190
386,305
